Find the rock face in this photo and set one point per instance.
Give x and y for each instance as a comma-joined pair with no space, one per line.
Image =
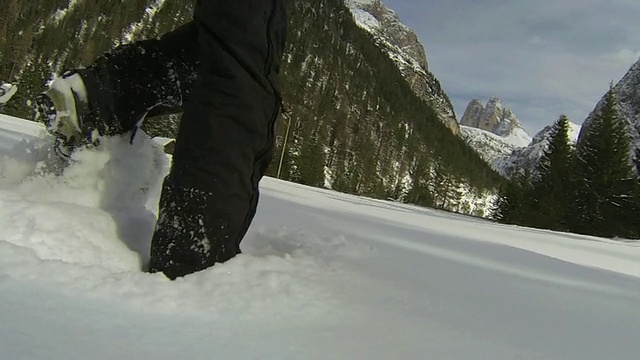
496,119
627,92
402,45
472,115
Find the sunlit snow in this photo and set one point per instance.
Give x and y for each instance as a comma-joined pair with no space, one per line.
324,275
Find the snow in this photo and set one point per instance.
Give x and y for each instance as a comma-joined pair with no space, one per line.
365,20
491,147
574,132
518,137
324,275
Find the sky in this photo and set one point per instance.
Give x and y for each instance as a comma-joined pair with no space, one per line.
544,58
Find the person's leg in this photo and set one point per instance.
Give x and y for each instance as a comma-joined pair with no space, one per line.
226,136
113,94
124,85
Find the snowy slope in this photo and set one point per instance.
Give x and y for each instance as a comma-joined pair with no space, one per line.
324,275
518,137
489,146
500,152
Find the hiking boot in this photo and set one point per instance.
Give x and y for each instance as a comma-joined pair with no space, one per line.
6,92
62,108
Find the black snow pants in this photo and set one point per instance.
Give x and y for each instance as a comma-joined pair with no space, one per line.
221,69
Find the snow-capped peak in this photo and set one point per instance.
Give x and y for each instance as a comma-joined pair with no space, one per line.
496,119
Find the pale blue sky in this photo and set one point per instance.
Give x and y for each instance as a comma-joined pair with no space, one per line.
543,58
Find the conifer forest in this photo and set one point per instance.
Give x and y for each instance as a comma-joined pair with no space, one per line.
592,188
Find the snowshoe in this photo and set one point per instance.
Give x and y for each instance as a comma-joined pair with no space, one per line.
63,109
6,92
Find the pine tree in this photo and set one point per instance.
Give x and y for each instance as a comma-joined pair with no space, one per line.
606,188
514,204
554,184
506,203
310,169
421,191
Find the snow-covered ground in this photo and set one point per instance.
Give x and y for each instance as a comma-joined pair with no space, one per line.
323,275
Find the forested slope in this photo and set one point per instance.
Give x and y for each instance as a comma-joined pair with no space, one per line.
351,122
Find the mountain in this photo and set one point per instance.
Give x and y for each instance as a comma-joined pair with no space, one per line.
496,119
492,130
401,44
497,135
627,93
527,158
362,113
489,146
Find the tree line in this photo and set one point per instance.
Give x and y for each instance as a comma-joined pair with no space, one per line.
592,188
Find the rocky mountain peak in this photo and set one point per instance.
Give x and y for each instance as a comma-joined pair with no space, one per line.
494,118
472,113
402,45
494,102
